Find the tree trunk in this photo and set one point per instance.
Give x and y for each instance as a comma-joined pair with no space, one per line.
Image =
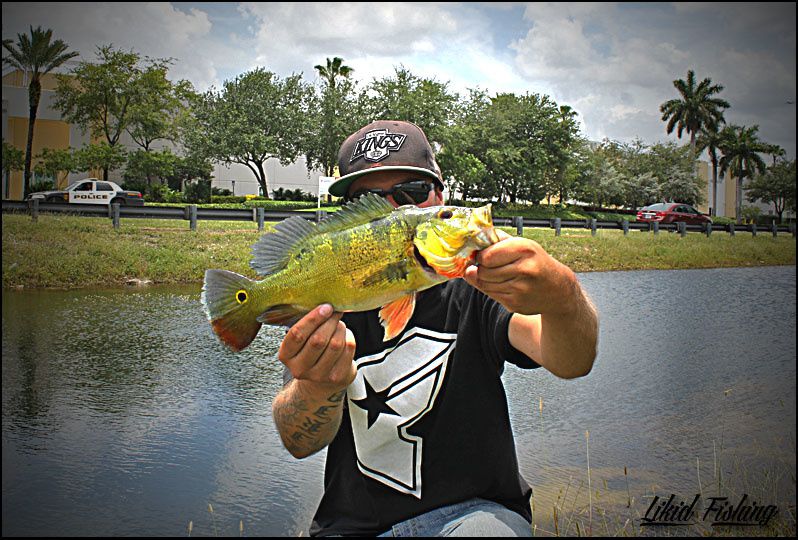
714,211
34,94
739,197
262,180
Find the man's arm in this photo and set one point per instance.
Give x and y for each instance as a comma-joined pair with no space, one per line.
306,423
318,351
553,321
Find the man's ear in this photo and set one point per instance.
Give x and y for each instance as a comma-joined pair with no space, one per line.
438,196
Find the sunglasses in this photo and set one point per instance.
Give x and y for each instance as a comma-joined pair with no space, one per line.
409,192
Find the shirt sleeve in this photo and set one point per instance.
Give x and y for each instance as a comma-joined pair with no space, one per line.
494,329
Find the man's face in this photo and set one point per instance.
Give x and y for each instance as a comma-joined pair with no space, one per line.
385,180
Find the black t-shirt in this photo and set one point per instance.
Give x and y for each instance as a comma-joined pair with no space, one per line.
425,422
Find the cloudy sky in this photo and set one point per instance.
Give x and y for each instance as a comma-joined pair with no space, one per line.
613,63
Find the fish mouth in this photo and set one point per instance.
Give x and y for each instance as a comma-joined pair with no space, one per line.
482,225
422,261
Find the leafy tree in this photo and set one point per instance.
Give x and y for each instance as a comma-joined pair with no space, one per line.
579,170
255,117
159,105
99,96
54,162
143,164
424,102
99,156
680,185
603,174
662,158
562,146
38,55
519,156
606,186
641,190
462,172
645,174
190,168
198,191
776,186
696,108
13,160
741,147
459,158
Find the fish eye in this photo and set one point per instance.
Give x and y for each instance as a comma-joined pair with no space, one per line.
445,214
241,297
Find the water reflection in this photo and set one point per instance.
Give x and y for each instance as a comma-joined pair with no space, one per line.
123,415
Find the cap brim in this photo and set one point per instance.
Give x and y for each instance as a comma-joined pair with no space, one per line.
340,186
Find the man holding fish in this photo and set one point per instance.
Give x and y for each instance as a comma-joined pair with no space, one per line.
408,398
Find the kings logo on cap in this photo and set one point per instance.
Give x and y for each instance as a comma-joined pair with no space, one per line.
376,145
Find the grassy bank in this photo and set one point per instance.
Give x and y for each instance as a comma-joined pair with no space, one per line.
73,252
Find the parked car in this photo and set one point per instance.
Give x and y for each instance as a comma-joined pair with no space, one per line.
90,191
672,213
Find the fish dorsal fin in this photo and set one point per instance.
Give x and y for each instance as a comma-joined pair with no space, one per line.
271,252
364,210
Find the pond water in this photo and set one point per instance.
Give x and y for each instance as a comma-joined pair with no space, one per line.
122,414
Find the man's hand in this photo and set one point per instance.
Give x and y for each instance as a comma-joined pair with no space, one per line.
318,351
554,322
521,276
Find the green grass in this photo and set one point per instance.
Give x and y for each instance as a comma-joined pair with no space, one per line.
73,252
611,250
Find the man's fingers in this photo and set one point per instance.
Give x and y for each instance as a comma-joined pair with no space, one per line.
497,276
300,332
335,364
505,252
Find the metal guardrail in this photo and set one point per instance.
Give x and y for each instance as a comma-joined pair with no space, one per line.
192,213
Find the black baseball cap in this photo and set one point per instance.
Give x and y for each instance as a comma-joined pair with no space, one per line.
385,145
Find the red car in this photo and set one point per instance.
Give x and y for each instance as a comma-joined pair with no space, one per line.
672,213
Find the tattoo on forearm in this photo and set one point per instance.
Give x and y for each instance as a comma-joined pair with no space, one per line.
308,430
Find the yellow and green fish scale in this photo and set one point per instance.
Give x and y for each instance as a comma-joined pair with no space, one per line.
356,269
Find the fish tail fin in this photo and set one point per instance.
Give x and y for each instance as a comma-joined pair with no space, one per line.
227,298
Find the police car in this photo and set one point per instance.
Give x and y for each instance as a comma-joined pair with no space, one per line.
91,191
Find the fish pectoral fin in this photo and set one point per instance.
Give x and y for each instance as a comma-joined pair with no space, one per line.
394,316
282,314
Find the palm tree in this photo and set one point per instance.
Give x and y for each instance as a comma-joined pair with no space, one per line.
39,56
776,152
333,70
741,147
330,135
710,139
695,109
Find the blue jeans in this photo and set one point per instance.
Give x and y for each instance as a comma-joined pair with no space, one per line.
474,517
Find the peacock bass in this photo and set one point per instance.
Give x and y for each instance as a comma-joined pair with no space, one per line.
365,256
